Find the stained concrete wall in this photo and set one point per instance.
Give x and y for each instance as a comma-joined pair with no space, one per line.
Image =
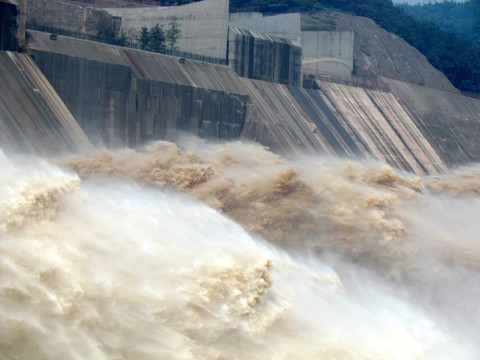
380,126
8,26
339,119
32,116
69,16
327,52
94,92
286,26
203,25
265,57
449,121
125,97
166,95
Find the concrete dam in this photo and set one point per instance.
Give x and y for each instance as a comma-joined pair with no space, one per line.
121,97
115,244
124,97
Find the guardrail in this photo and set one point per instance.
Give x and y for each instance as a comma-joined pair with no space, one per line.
128,44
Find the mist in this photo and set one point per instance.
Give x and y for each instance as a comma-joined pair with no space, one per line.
227,251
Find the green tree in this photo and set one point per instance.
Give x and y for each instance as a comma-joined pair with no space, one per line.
156,41
144,38
172,34
121,39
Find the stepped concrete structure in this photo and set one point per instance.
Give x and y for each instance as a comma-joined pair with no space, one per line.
322,51
327,52
203,25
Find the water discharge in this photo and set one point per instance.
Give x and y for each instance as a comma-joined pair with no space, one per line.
201,251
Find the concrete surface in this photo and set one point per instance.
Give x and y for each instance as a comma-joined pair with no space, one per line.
285,26
130,97
123,97
265,57
70,16
449,121
33,119
327,51
203,25
378,52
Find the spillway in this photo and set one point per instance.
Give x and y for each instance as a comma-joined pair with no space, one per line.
32,116
134,97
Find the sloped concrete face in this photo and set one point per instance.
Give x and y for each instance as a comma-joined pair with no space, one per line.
265,57
327,52
33,118
203,25
340,120
379,126
286,26
449,121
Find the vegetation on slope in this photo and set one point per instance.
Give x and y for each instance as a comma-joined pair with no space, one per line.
462,19
458,59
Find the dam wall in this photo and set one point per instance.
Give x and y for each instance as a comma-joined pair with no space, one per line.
33,118
124,97
449,121
95,93
338,119
265,57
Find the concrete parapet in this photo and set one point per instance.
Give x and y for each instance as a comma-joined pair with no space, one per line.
265,57
328,51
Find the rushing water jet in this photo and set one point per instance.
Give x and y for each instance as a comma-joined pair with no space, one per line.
361,261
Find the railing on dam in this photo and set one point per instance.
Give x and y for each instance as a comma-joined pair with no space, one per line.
128,44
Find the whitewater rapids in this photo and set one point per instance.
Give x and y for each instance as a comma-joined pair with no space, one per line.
202,251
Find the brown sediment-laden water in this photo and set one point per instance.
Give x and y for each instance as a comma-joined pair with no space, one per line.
208,251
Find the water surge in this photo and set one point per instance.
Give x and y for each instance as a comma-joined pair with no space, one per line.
201,251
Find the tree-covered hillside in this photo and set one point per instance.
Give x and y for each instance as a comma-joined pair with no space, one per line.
462,19
458,59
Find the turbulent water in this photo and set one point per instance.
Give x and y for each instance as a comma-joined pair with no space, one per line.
201,251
